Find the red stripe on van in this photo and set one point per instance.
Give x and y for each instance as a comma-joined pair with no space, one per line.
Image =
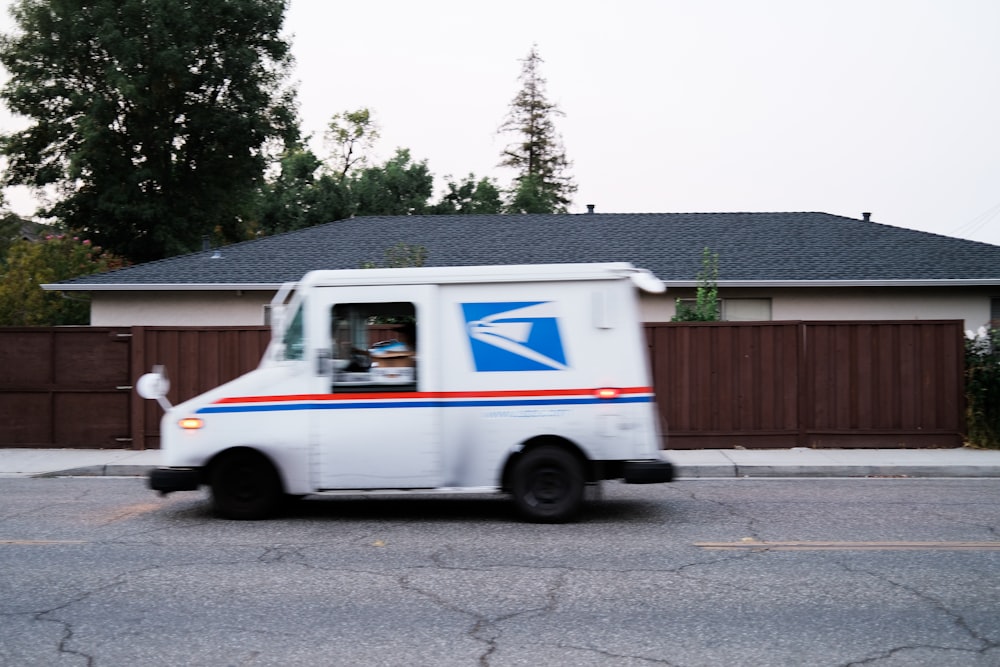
515,393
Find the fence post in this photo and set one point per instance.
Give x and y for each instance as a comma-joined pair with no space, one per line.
804,395
137,404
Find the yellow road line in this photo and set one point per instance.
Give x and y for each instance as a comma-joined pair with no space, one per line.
754,545
41,542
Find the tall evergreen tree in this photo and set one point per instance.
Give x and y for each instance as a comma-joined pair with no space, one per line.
542,184
152,117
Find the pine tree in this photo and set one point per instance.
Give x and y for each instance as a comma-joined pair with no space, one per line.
541,184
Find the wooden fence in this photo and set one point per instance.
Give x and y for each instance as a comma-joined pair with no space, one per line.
762,384
809,384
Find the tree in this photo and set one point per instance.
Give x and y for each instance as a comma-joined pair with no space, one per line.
706,305
10,228
153,118
353,135
399,187
302,194
541,184
32,263
400,256
470,196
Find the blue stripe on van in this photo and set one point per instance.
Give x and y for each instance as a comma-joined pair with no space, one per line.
378,405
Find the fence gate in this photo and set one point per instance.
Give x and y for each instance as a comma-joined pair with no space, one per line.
65,387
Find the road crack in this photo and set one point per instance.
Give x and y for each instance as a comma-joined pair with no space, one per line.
957,619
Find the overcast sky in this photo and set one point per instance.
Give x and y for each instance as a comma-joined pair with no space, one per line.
840,106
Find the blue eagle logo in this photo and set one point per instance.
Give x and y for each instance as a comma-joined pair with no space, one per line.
514,336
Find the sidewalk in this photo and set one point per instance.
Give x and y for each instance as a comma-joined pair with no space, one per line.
690,464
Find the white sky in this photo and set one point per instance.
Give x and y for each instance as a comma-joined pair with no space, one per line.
841,106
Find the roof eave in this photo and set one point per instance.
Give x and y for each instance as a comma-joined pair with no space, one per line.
161,287
916,282
270,287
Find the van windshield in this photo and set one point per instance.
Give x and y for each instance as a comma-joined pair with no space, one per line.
294,338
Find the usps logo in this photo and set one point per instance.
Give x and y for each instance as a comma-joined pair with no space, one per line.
514,336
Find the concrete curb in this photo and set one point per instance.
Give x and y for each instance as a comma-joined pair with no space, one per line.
689,464
683,472
840,471
99,471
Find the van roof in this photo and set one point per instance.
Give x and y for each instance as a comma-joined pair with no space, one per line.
471,274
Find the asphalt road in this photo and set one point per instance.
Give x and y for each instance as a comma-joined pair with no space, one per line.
883,572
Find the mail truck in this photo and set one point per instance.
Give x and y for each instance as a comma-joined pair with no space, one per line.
531,381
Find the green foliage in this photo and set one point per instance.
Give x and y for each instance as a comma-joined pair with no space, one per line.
982,387
399,187
400,256
10,229
152,118
31,263
541,184
530,195
706,306
302,195
469,197
353,135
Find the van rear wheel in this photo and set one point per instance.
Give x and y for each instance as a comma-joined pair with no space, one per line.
245,486
547,485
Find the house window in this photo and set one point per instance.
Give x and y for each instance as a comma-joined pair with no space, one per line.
995,312
746,310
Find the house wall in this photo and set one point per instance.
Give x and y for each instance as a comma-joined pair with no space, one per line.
246,308
134,308
970,304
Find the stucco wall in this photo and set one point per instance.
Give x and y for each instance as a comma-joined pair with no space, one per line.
178,308
972,305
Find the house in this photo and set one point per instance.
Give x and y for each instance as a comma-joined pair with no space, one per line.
772,266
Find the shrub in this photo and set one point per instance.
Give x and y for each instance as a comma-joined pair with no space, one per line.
706,304
982,387
29,264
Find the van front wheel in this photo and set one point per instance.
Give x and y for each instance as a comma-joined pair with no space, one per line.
547,485
245,486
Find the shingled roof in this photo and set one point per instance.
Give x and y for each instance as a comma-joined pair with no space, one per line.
753,248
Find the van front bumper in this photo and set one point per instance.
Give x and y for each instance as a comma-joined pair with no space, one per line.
167,480
648,472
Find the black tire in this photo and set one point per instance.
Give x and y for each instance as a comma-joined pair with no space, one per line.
245,486
547,485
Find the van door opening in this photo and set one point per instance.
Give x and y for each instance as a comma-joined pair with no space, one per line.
381,427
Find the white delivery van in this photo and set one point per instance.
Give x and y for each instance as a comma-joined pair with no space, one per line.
528,380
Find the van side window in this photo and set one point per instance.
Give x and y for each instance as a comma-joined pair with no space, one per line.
374,347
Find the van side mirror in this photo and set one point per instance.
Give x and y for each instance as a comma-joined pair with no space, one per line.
155,385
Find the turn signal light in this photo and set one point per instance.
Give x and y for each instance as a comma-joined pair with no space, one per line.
607,392
191,423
